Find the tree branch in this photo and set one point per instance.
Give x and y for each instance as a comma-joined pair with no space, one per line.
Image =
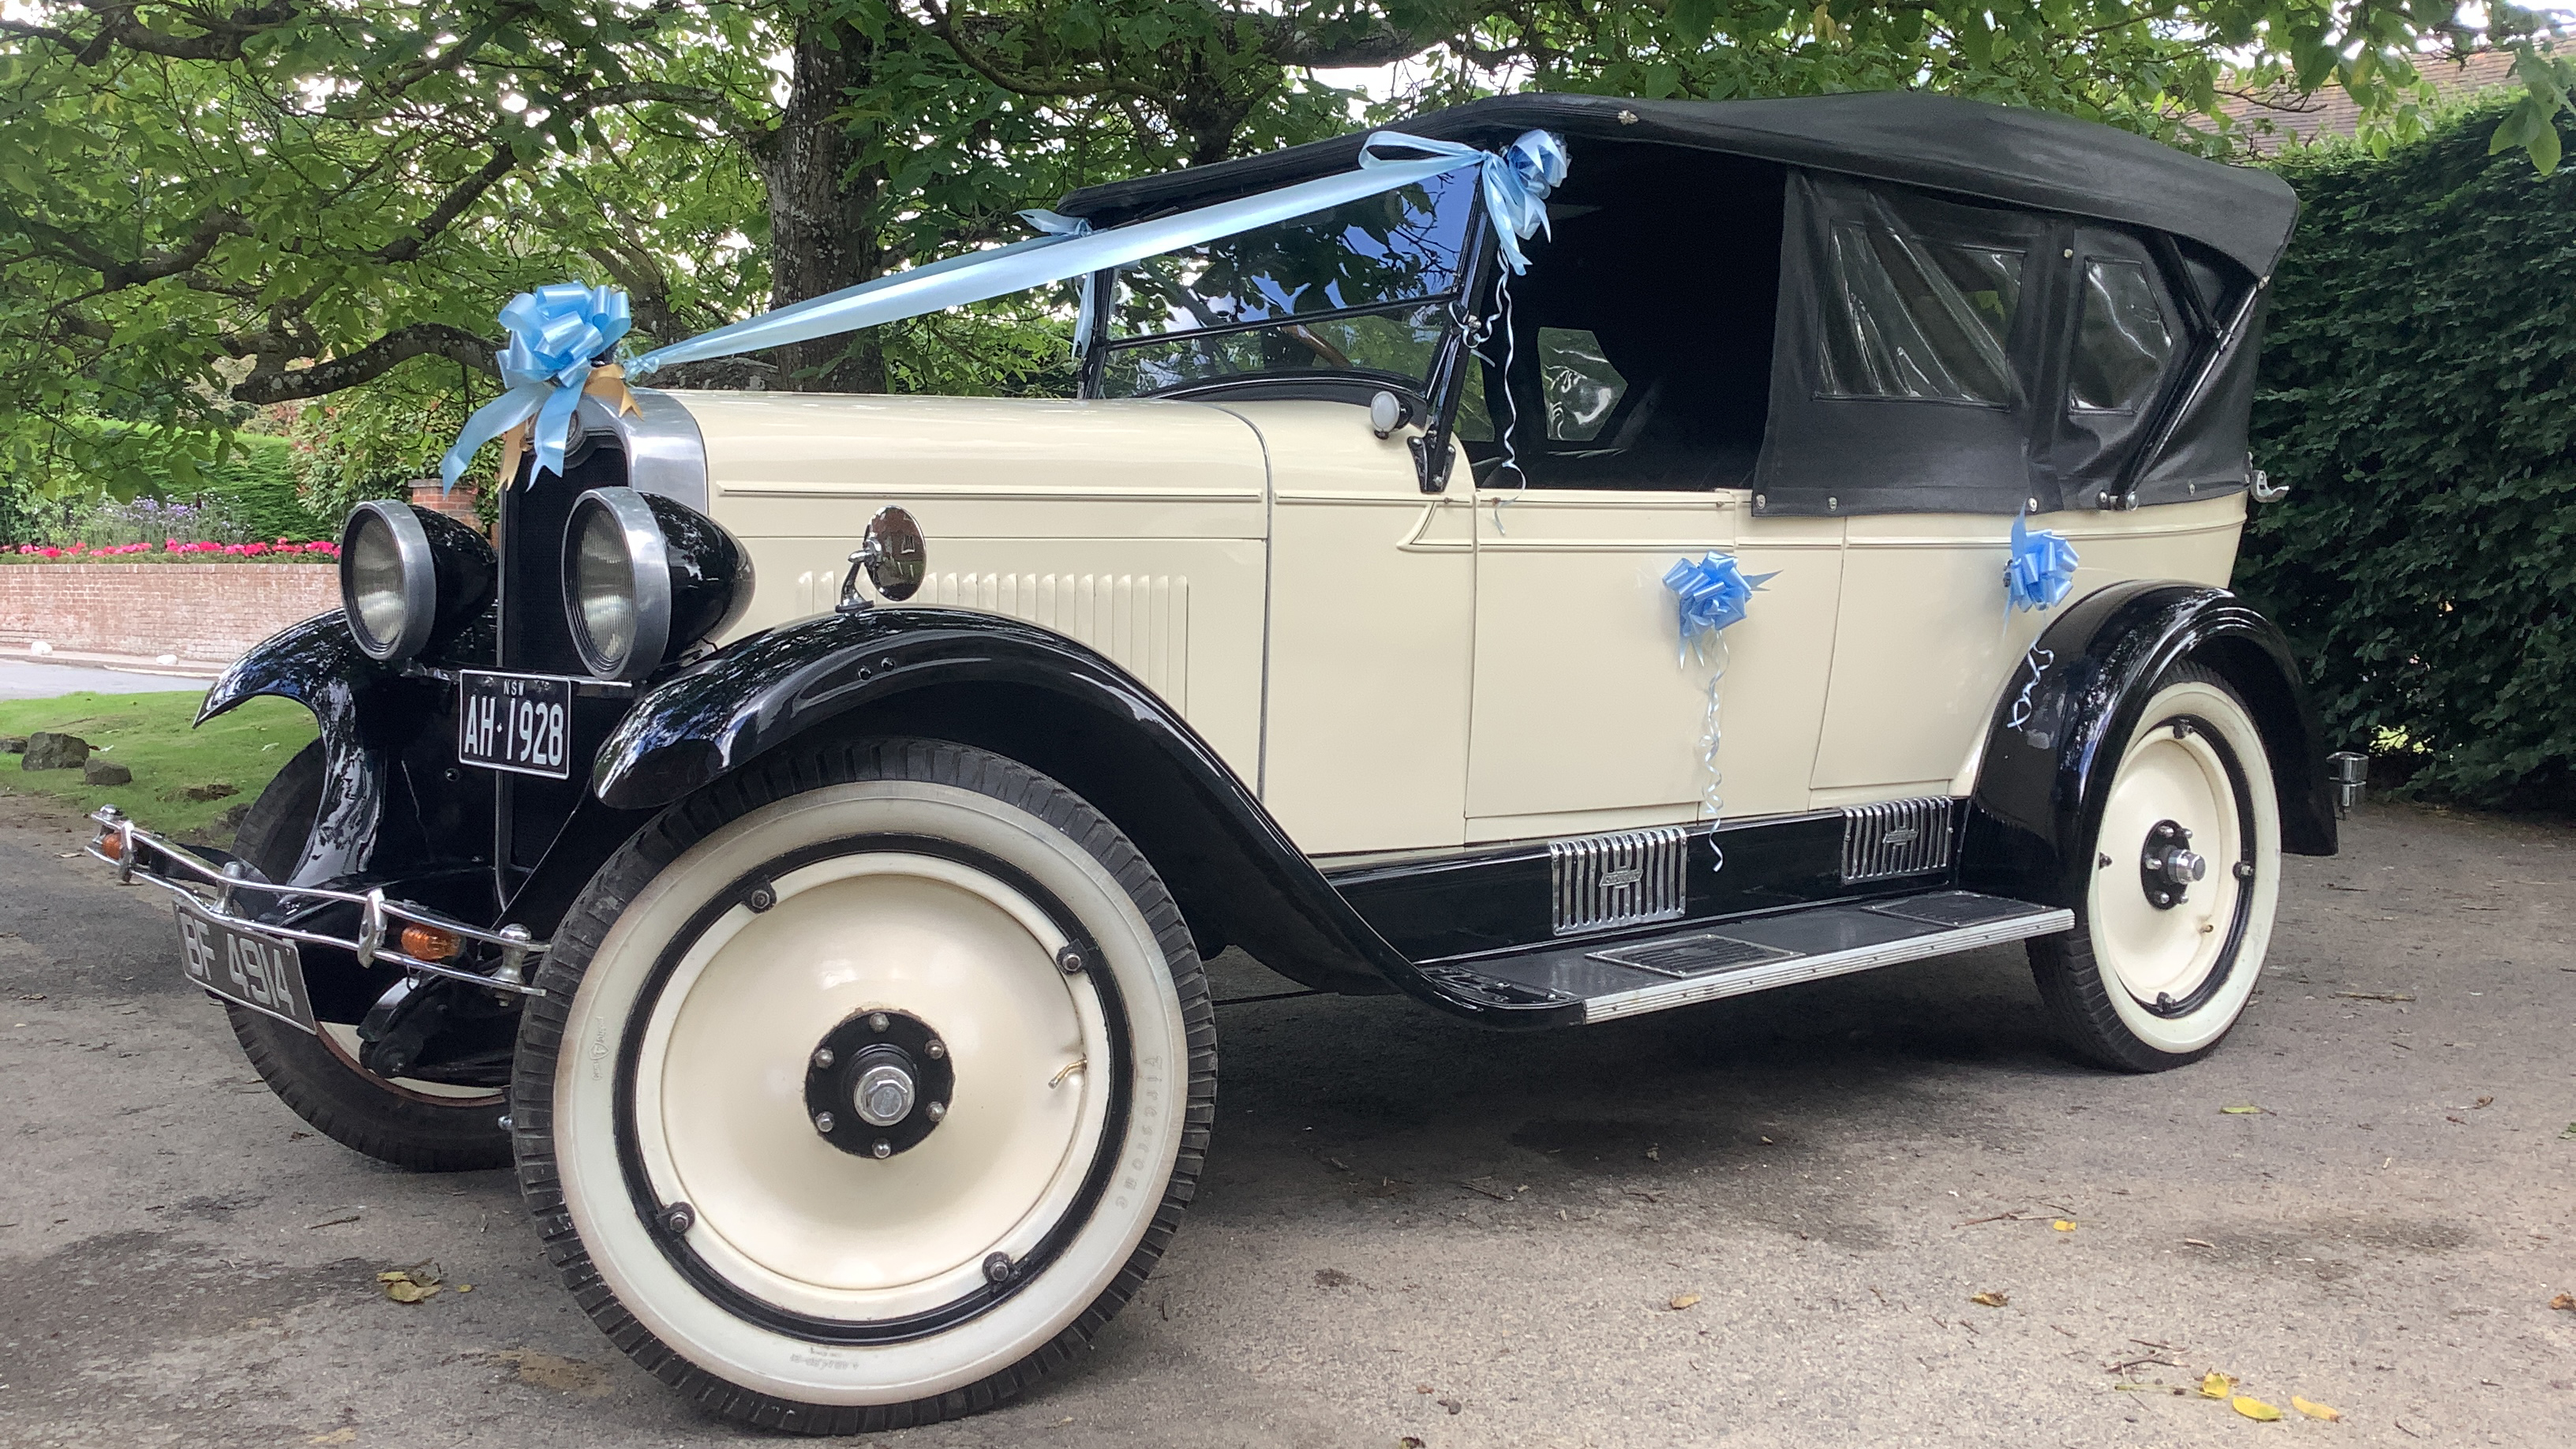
272,384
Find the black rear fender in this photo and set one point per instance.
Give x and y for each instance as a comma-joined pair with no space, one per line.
2055,737
1039,698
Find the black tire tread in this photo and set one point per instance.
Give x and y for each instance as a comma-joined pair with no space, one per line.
341,1101
2073,994
627,873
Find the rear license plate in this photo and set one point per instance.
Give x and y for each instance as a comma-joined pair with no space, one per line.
260,972
516,722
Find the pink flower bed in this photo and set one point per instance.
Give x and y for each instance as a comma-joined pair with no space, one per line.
283,548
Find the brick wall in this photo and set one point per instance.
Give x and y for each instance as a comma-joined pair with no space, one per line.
457,504
207,611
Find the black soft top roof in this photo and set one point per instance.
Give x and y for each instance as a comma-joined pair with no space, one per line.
2024,157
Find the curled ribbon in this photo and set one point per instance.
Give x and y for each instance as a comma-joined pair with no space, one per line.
555,332
1517,180
1711,594
2041,569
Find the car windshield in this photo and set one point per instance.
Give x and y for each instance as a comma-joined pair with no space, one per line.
1353,289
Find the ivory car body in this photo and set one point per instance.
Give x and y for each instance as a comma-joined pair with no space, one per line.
796,838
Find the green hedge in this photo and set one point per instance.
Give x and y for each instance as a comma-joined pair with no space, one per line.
2418,396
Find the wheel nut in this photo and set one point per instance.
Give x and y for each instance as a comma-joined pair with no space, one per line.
998,1268
936,1110
823,1123
678,1218
883,1148
761,898
877,1021
822,1059
935,1049
1070,960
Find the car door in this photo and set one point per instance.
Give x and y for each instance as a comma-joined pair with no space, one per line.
1588,713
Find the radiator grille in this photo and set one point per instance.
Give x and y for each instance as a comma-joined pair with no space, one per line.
1142,622
1621,879
1895,838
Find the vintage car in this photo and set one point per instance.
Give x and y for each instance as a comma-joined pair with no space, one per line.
1815,560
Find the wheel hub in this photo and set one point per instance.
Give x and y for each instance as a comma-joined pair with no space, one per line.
878,1083
2167,865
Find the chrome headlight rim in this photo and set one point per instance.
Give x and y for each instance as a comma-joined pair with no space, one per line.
417,569
648,582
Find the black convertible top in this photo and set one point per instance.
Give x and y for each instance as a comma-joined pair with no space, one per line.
1997,153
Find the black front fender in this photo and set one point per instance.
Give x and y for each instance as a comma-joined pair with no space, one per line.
319,666
2052,746
1056,706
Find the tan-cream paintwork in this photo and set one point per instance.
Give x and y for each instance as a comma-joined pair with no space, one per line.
1137,527
1397,671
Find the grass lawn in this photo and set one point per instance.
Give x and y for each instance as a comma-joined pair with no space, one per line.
150,735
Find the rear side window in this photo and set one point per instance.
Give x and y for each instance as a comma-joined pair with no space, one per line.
1907,317
2123,345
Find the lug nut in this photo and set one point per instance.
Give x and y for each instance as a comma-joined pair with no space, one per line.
823,1123
822,1059
877,1021
936,1110
935,1049
678,1218
999,1268
761,898
882,1148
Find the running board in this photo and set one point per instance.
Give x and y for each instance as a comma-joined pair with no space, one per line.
1710,960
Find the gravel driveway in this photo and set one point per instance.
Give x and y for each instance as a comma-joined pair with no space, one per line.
1757,1223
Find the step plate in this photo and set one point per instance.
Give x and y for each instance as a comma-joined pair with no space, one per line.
1685,967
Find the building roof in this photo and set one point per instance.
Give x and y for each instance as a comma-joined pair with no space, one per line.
2275,122
1995,153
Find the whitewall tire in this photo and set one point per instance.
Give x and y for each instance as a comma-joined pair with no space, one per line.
868,1085
2171,933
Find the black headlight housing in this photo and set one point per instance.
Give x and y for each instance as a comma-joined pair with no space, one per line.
645,577
410,579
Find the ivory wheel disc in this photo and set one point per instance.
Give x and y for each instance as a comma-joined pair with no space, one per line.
2187,868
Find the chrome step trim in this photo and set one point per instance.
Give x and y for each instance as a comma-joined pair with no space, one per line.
1666,995
1893,838
1623,878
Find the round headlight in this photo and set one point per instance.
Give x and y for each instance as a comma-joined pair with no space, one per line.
644,575
409,577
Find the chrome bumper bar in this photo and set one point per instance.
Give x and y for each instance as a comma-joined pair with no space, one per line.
380,920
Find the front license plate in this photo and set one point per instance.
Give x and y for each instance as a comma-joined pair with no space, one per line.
260,972
517,722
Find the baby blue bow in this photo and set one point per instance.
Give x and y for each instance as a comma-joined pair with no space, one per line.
2041,569
1517,180
1711,594
555,331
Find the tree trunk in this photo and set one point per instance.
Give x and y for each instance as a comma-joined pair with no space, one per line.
820,239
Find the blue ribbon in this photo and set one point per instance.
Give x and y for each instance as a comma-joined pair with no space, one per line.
555,331
2041,570
1516,181
1057,224
1516,184
1711,594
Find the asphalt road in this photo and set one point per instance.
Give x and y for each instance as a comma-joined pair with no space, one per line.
1412,1229
43,679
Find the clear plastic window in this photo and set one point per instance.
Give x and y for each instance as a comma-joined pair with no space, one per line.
1579,385
1401,246
1909,318
1398,345
2124,345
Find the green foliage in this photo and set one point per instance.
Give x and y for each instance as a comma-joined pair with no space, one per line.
2420,397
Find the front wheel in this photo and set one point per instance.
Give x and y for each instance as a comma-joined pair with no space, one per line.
2186,872
867,1086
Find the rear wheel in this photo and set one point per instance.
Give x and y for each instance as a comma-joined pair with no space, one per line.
425,1126
868,1085
2186,873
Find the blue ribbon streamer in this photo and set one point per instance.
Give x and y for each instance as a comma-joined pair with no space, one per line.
1711,595
555,331
1057,224
2041,569
1516,184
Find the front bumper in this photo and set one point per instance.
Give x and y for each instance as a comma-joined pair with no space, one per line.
498,957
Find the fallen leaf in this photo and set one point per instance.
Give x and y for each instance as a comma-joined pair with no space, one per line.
2215,1385
1408,1442
403,1290
2482,1102
464,1287
2315,1410
2570,1134
1989,1299
1683,1300
2564,1302
549,1371
1422,1388
2246,1109
2199,1243
2255,1409
2063,1226
2374,995
1654,1152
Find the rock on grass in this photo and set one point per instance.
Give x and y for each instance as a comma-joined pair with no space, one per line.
48,750
95,771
